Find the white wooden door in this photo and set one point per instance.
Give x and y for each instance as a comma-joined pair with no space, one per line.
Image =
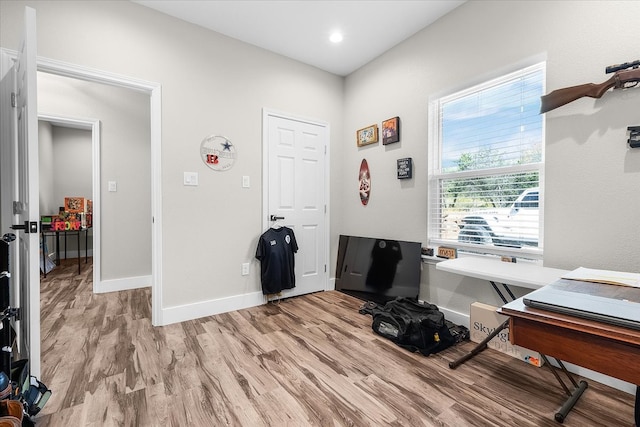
295,190
21,141
8,126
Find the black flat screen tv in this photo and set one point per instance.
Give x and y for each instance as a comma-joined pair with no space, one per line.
378,270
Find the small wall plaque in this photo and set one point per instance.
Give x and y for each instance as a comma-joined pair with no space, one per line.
405,168
449,253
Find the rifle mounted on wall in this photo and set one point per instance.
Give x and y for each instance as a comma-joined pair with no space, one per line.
625,76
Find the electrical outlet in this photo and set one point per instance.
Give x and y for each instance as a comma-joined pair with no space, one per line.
245,269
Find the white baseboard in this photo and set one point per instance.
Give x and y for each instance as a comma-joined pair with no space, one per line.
455,317
123,284
197,310
464,320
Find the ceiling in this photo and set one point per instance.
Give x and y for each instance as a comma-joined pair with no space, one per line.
300,29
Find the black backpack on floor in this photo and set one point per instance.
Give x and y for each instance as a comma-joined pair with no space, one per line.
412,325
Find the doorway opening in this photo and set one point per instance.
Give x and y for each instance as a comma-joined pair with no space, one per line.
70,166
153,91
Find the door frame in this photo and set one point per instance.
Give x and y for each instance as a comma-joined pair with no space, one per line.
266,113
92,125
154,90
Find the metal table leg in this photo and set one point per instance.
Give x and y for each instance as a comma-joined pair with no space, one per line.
637,410
79,257
578,387
58,260
573,395
482,345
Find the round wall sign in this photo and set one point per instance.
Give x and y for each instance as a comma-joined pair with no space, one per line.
218,153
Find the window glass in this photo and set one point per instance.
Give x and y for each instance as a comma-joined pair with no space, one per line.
487,161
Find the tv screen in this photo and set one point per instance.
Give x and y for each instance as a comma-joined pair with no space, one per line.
378,270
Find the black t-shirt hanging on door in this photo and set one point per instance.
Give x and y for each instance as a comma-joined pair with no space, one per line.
276,249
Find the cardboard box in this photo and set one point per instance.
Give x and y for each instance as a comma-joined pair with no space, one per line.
484,320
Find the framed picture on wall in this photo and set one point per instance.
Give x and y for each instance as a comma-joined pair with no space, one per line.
74,204
391,130
366,136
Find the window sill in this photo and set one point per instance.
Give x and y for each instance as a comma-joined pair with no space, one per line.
519,259
431,259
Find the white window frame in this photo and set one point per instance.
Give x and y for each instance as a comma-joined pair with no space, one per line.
435,174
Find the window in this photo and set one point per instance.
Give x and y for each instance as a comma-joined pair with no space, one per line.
486,164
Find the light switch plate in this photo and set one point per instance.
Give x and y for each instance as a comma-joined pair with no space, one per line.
245,182
113,186
191,178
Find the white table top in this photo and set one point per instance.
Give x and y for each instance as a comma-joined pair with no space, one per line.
524,274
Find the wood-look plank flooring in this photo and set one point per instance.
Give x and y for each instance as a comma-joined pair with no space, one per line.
306,361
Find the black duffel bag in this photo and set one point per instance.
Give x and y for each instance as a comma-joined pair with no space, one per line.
412,325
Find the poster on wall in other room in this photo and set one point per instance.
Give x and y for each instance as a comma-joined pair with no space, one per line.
74,204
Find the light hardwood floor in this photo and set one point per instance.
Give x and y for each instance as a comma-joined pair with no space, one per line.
307,361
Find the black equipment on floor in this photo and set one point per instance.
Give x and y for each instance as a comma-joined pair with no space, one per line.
410,324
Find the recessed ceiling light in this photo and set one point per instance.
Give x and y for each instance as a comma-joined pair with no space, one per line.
336,37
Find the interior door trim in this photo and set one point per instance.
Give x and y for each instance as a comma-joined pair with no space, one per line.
92,125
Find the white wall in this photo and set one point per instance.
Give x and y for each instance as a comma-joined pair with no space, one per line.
65,164
48,203
71,164
590,171
211,84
